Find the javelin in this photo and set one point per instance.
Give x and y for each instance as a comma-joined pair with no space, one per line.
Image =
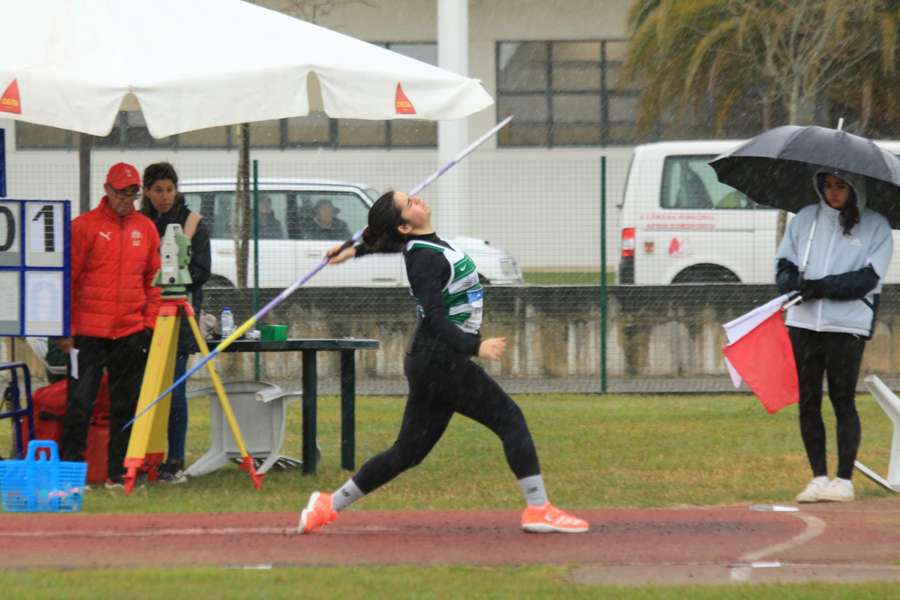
293,287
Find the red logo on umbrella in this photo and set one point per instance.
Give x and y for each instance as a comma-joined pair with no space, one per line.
9,101
402,105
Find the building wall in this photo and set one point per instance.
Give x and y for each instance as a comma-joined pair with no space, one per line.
553,333
524,200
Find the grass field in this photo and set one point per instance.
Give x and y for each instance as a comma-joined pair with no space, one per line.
437,582
595,451
616,451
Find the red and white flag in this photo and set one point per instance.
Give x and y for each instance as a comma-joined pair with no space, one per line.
759,352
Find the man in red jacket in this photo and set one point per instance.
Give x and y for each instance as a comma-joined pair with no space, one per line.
115,256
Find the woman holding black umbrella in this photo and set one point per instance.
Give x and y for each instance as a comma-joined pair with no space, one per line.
835,253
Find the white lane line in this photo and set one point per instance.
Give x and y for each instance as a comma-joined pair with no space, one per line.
774,508
187,531
814,528
149,532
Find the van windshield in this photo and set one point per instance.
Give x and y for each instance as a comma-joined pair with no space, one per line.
621,202
690,183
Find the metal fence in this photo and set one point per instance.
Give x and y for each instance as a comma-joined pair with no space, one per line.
534,223
531,222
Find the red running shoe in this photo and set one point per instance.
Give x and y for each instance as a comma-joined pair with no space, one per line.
318,513
549,519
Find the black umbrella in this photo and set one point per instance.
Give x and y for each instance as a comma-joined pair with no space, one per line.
776,168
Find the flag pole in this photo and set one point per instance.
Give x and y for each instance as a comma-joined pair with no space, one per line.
293,287
795,300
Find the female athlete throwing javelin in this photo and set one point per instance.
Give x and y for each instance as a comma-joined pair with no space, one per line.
442,378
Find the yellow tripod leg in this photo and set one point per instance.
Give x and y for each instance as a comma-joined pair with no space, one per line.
146,445
158,442
247,460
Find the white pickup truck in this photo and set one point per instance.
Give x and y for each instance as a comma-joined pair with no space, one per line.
681,225
290,245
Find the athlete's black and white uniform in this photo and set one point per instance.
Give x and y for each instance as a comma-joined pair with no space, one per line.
442,378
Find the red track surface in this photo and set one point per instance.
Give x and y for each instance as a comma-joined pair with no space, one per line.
861,533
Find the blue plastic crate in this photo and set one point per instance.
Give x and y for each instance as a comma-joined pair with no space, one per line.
41,482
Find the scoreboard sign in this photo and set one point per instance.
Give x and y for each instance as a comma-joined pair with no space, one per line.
34,267
2,163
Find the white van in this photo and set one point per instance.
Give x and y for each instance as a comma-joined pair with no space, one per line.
290,244
681,225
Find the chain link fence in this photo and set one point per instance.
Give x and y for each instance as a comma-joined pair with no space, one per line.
532,225
683,254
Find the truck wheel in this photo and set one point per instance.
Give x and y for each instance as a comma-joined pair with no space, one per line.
217,281
706,274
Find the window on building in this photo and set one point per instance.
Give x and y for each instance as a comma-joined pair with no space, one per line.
214,137
313,130
564,93
29,135
130,131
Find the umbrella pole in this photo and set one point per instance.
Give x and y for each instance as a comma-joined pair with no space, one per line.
812,232
809,241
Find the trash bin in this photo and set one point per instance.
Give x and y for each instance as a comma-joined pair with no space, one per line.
259,409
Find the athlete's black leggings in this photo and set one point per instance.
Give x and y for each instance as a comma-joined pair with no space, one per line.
838,355
437,389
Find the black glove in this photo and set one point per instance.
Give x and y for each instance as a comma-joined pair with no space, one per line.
811,289
787,276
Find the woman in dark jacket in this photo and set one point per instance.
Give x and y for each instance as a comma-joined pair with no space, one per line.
165,206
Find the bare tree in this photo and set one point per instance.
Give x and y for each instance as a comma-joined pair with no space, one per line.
807,46
806,49
241,215
314,10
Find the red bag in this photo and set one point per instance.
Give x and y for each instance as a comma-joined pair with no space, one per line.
96,454
49,405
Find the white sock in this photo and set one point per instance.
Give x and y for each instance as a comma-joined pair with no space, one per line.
346,495
533,488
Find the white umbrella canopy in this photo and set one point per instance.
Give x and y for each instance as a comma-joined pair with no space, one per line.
204,63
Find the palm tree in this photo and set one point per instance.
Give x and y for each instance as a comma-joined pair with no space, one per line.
873,84
688,51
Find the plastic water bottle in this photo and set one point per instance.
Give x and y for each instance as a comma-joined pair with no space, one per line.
226,322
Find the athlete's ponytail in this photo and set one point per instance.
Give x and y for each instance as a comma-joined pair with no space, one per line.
384,217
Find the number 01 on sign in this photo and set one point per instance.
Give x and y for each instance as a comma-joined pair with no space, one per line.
34,267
